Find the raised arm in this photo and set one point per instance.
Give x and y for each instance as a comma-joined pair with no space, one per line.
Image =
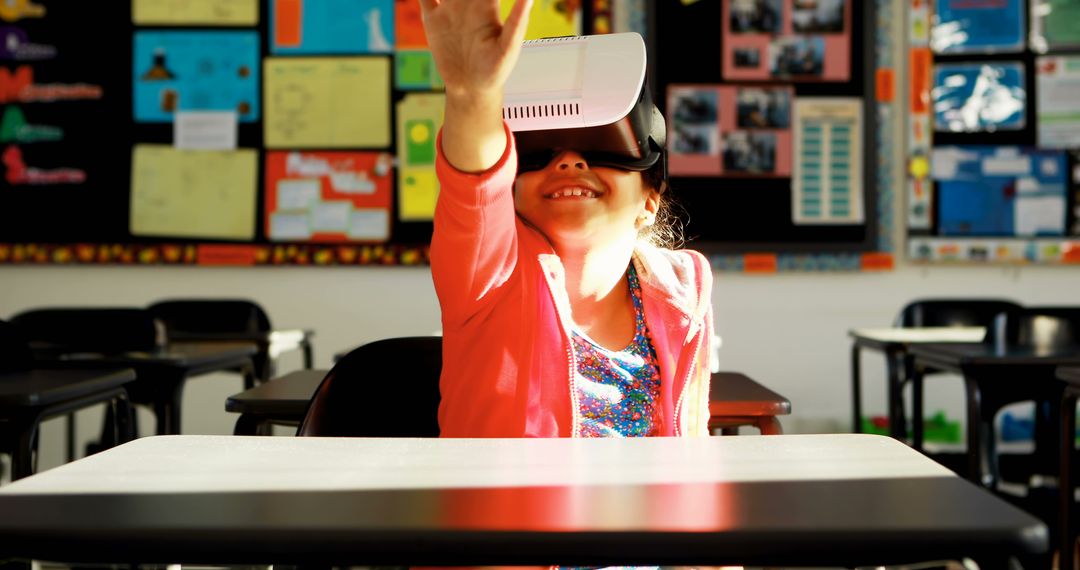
474,52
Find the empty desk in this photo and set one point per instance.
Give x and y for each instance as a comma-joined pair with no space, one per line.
29,396
736,400
893,343
281,400
816,500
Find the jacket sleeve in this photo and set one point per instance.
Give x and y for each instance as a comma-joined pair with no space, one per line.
474,245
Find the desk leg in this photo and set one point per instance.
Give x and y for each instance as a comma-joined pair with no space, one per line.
897,425
856,390
22,457
980,436
769,425
917,427
1065,486
309,356
167,409
247,424
69,427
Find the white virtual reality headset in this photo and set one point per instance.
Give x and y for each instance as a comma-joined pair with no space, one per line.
588,94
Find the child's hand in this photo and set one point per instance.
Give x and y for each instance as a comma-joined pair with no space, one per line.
473,50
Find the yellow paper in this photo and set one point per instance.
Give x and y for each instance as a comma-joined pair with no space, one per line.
202,12
550,18
418,191
419,118
325,103
193,193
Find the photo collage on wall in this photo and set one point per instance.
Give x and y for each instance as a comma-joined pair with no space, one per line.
1003,177
746,125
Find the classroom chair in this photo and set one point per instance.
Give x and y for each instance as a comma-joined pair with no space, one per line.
228,320
386,388
943,312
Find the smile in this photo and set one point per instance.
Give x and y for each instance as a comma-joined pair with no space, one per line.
572,192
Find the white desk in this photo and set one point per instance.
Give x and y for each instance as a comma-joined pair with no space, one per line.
827,499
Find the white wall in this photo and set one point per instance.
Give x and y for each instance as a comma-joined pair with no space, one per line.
788,331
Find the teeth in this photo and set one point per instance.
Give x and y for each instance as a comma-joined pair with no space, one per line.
573,192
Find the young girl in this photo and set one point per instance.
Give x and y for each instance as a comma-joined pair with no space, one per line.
560,318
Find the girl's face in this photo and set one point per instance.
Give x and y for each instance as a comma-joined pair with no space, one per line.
578,206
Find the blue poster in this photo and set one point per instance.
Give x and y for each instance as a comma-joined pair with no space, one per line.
978,26
331,27
974,97
1000,191
195,71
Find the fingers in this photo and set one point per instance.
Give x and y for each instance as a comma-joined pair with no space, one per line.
428,5
513,32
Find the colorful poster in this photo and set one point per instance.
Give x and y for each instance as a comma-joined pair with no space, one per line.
328,196
420,116
550,18
973,97
729,131
1055,25
786,40
193,194
409,25
331,26
327,102
826,187
1058,88
1000,191
195,12
978,26
195,71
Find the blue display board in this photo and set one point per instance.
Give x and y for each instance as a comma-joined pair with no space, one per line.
974,26
973,97
331,26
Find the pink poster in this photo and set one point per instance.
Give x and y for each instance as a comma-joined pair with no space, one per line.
729,130
787,40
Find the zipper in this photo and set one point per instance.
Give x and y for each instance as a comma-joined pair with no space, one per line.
574,405
686,382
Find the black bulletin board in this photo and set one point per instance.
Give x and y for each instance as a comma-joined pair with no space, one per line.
94,41
737,215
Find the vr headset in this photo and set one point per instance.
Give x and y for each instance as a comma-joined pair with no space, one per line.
588,94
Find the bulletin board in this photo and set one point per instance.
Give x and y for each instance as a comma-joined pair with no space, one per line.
128,137
780,127
994,132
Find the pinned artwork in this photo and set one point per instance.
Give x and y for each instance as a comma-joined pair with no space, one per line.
331,26
197,194
978,26
328,196
826,187
327,102
973,97
1000,191
420,117
18,173
195,12
15,45
549,18
15,10
787,40
730,131
195,71
1058,88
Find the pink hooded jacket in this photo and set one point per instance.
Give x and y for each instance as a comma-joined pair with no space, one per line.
508,367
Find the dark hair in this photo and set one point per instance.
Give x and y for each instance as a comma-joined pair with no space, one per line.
667,230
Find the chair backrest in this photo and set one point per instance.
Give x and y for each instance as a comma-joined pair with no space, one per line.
211,316
386,388
1040,327
80,329
955,313
14,350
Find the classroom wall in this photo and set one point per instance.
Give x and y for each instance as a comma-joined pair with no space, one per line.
788,331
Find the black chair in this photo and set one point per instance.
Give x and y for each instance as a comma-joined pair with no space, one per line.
386,388
943,312
226,320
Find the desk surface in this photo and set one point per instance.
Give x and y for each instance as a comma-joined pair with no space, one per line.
286,395
44,387
828,499
1069,374
879,337
180,354
952,356
735,394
